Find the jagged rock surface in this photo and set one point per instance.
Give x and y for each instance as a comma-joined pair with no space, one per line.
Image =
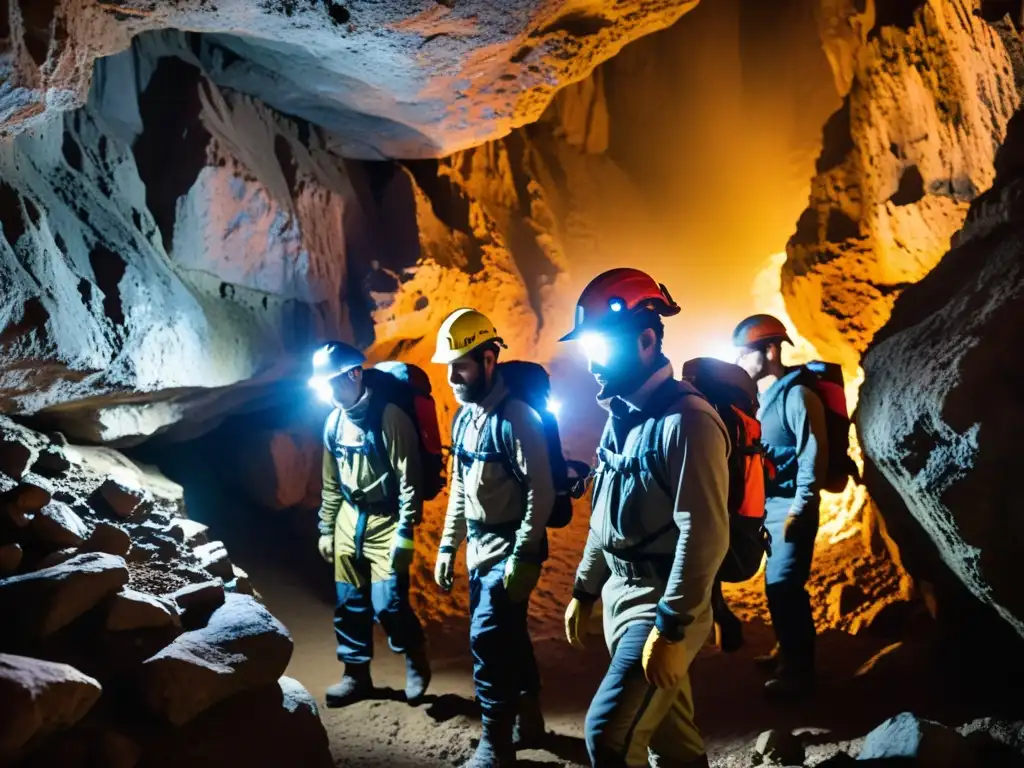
393,79
940,407
930,91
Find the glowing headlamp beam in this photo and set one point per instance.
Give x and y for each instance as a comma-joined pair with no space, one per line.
322,386
595,347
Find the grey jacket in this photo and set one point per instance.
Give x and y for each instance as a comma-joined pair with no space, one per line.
500,516
693,457
793,430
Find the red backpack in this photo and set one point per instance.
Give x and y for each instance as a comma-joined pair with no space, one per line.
733,395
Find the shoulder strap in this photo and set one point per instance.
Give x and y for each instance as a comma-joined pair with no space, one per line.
331,431
504,442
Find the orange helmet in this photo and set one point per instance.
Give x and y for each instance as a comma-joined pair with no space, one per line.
757,329
616,295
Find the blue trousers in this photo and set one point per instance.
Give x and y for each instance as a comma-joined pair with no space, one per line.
504,666
786,574
386,601
630,720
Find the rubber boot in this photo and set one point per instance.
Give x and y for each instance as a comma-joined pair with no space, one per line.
417,674
495,749
529,728
356,685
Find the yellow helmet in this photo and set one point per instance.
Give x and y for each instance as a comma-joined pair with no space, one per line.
463,331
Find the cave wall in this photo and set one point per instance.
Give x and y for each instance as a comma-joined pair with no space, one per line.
932,86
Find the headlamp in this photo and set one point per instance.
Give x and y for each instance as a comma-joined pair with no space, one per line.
595,346
554,406
322,386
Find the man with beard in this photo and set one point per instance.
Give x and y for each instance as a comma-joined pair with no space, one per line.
659,528
504,521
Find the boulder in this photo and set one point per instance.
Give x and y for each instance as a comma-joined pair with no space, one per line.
51,463
22,502
10,558
242,647
778,748
14,458
38,698
198,601
908,737
193,532
214,558
240,583
56,558
35,605
107,537
97,740
58,525
289,732
116,498
137,610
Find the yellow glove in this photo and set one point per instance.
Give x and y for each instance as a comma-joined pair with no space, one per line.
577,616
444,570
402,552
326,548
664,662
520,579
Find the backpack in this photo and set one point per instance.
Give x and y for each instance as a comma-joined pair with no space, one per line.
530,383
826,381
408,387
733,395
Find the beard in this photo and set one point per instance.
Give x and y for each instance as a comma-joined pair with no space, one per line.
467,394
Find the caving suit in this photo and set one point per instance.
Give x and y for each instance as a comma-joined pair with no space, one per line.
366,502
659,530
501,519
793,431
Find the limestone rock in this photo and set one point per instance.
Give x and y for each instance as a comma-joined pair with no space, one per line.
778,748
56,558
10,558
193,532
107,537
198,601
14,458
57,524
929,744
901,162
37,604
240,582
116,498
39,697
214,558
938,413
242,647
24,500
290,733
130,609
51,463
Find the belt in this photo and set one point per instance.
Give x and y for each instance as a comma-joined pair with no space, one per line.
648,567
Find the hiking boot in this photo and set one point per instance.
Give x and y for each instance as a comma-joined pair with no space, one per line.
529,728
417,674
769,662
495,749
729,635
355,685
790,682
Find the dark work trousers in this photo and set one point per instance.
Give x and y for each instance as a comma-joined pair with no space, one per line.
386,601
786,574
504,667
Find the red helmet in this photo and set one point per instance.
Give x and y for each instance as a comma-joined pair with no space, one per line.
759,328
616,295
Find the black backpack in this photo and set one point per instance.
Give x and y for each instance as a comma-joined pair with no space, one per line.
531,383
408,387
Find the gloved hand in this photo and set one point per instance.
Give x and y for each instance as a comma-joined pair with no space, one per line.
664,662
444,570
520,579
577,616
793,529
326,548
401,554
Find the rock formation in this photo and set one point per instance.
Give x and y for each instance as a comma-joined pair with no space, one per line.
940,411
931,87
128,639
391,79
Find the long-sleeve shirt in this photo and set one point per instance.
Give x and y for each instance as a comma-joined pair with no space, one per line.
501,516
793,430
361,471
693,457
